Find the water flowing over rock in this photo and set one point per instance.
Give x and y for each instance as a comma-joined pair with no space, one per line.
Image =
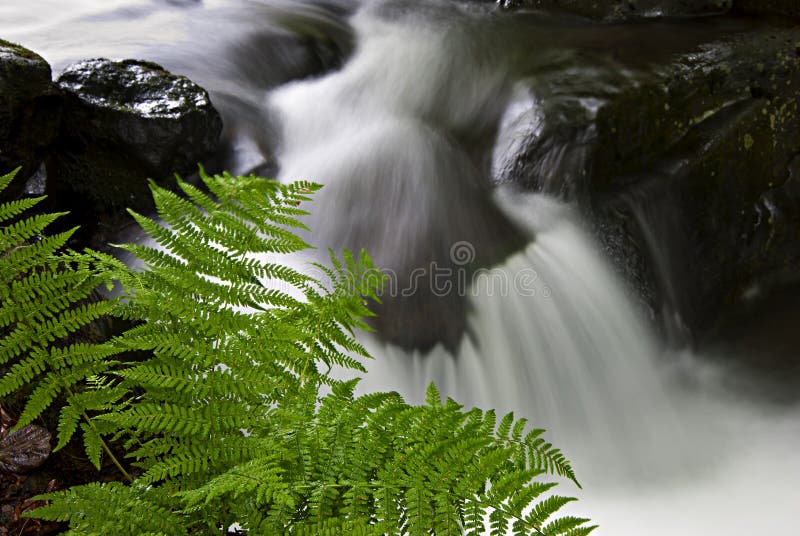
694,190
126,122
29,111
654,132
265,45
404,158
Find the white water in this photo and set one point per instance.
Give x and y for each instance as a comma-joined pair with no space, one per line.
383,135
553,338
551,334
401,136
561,345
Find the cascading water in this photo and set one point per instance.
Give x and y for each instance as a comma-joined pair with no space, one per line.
548,331
510,301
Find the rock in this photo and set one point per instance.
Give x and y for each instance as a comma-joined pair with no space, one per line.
609,10
763,338
25,449
29,112
125,122
704,171
690,173
790,8
720,80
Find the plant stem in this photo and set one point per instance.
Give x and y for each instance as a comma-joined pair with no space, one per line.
105,446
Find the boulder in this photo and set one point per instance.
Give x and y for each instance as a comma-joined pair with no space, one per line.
689,173
29,112
705,172
789,8
125,122
614,10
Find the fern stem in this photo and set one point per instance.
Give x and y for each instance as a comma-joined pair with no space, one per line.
114,459
103,443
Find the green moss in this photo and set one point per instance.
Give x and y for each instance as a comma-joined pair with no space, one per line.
7,47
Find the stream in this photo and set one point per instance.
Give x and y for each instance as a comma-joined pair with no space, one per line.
501,295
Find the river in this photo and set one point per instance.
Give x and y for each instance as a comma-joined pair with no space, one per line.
408,135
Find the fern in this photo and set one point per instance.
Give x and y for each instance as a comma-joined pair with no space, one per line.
235,417
136,510
47,298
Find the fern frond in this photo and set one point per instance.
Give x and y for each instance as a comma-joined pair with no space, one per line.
233,414
111,508
45,302
18,233
5,180
568,525
12,209
260,480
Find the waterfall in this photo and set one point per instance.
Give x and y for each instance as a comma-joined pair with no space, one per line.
553,337
547,330
500,297
402,137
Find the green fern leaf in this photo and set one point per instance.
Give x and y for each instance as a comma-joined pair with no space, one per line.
93,444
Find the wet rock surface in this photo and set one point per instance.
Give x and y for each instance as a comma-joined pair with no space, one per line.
29,111
762,341
124,123
612,10
688,172
760,7
617,10
714,175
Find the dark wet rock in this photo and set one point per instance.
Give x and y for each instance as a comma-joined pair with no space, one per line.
747,79
704,171
29,112
609,10
689,171
763,338
125,122
778,7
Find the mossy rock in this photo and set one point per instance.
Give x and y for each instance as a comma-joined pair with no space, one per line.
29,111
756,67
789,8
687,168
614,10
705,167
